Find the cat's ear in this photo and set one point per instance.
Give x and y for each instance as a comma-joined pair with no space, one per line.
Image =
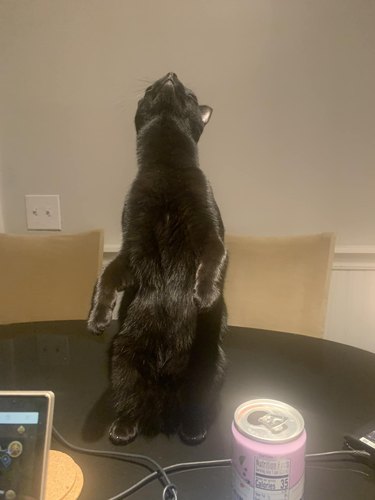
206,113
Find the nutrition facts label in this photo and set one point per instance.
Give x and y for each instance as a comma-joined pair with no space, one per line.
271,482
271,479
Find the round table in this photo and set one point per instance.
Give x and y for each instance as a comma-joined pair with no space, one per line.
331,384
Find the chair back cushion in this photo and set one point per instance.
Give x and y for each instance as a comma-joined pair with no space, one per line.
48,277
279,283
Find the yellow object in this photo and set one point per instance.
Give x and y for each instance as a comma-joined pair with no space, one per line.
64,477
48,277
279,283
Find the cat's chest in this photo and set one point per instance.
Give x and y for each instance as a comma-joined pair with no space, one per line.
164,210
165,185
163,213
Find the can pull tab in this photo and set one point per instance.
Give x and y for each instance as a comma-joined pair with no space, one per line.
274,423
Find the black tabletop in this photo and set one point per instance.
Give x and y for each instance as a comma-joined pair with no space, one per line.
332,385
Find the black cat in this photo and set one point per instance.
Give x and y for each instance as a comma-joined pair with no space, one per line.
167,363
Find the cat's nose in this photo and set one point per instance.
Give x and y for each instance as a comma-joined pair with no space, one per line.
172,76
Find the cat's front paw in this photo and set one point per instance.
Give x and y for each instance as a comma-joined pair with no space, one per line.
122,433
205,294
206,290
100,317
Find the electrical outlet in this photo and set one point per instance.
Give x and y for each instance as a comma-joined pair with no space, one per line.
43,212
53,349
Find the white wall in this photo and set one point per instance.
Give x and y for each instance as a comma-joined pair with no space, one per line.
290,145
351,308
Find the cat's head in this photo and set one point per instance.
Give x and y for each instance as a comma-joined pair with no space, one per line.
168,97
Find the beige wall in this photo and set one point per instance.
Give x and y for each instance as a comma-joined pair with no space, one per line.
1,200
290,148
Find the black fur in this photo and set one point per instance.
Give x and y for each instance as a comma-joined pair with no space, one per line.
166,360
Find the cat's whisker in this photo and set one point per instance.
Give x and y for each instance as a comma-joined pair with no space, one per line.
144,80
121,104
121,100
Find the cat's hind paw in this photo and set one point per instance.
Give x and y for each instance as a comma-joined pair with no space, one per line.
122,433
192,438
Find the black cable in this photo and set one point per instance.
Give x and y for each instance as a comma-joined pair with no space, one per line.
183,467
171,469
161,472
169,487
328,454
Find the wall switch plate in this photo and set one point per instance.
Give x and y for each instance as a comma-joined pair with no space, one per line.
43,212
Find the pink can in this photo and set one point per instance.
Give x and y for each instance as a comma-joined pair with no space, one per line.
268,460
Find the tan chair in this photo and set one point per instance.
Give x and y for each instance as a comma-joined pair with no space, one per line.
279,283
46,278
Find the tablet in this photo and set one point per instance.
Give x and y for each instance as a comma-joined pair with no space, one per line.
25,436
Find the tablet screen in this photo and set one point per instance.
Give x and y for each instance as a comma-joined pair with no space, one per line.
25,431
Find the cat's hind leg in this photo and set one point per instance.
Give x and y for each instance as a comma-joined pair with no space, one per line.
138,410
199,395
136,397
127,391
127,401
